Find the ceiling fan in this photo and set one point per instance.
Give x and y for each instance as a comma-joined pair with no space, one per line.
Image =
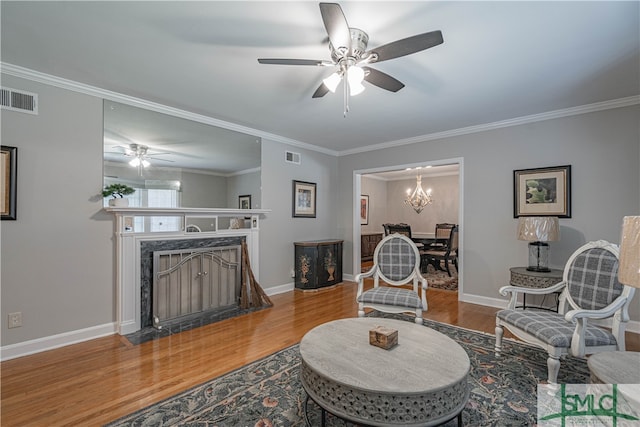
140,155
348,47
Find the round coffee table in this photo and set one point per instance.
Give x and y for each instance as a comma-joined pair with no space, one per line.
422,381
615,367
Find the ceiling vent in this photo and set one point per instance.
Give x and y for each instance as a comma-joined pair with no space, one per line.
291,157
19,100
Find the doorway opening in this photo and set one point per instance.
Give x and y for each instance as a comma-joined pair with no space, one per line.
380,195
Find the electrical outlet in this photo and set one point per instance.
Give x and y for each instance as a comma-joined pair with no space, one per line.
15,320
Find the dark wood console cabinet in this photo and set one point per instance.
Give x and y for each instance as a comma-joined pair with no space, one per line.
318,263
368,243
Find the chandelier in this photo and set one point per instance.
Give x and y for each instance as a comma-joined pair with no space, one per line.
419,198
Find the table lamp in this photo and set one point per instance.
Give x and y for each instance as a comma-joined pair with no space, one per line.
538,230
629,263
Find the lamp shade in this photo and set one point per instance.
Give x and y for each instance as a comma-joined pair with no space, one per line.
538,228
332,81
629,265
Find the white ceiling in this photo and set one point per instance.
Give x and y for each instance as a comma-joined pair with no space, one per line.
499,61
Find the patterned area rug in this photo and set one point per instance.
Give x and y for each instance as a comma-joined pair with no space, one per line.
268,392
440,279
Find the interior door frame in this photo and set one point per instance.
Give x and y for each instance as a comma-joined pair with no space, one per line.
357,192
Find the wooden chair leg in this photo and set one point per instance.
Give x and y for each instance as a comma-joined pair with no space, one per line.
446,264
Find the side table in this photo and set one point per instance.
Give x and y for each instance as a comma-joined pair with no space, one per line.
524,278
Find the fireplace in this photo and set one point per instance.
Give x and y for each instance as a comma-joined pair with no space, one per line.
135,258
181,260
187,282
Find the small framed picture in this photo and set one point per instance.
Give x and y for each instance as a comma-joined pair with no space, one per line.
8,172
542,192
244,202
364,209
304,199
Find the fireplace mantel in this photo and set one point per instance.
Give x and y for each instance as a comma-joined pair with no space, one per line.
186,211
129,241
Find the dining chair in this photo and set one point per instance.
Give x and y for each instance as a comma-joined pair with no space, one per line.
396,262
447,253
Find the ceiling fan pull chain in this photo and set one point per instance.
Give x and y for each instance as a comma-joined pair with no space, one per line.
346,96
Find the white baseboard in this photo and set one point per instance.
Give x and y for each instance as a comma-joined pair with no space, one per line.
280,289
38,345
480,300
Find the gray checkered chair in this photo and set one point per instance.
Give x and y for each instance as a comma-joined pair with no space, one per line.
589,291
396,262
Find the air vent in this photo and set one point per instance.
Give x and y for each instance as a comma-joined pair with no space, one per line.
19,100
291,157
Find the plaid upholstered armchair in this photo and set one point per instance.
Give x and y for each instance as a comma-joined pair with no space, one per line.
590,291
396,262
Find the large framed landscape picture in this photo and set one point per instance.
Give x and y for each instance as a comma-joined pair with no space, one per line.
542,192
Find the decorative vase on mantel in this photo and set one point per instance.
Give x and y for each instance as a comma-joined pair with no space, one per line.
119,202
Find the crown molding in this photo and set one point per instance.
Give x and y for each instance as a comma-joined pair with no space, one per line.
566,112
36,76
25,73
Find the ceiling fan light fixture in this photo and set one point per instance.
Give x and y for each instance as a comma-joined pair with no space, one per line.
332,82
355,75
356,89
145,163
348,48
135,162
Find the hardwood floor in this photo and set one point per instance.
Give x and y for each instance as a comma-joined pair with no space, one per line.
97,381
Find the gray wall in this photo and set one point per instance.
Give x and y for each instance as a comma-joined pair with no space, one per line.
242,185
203,191
278,230
58,256
376,189
602,147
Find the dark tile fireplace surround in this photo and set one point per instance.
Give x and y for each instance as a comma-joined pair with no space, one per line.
147,248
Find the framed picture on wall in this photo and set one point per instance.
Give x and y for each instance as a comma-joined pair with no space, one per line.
364,209
304,199
542,192
8,172
244,202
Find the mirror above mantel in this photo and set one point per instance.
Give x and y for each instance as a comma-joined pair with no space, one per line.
175,162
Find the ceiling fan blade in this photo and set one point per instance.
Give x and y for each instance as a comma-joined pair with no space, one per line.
407,46
321,91
156,159
276,61
337,28
382,80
